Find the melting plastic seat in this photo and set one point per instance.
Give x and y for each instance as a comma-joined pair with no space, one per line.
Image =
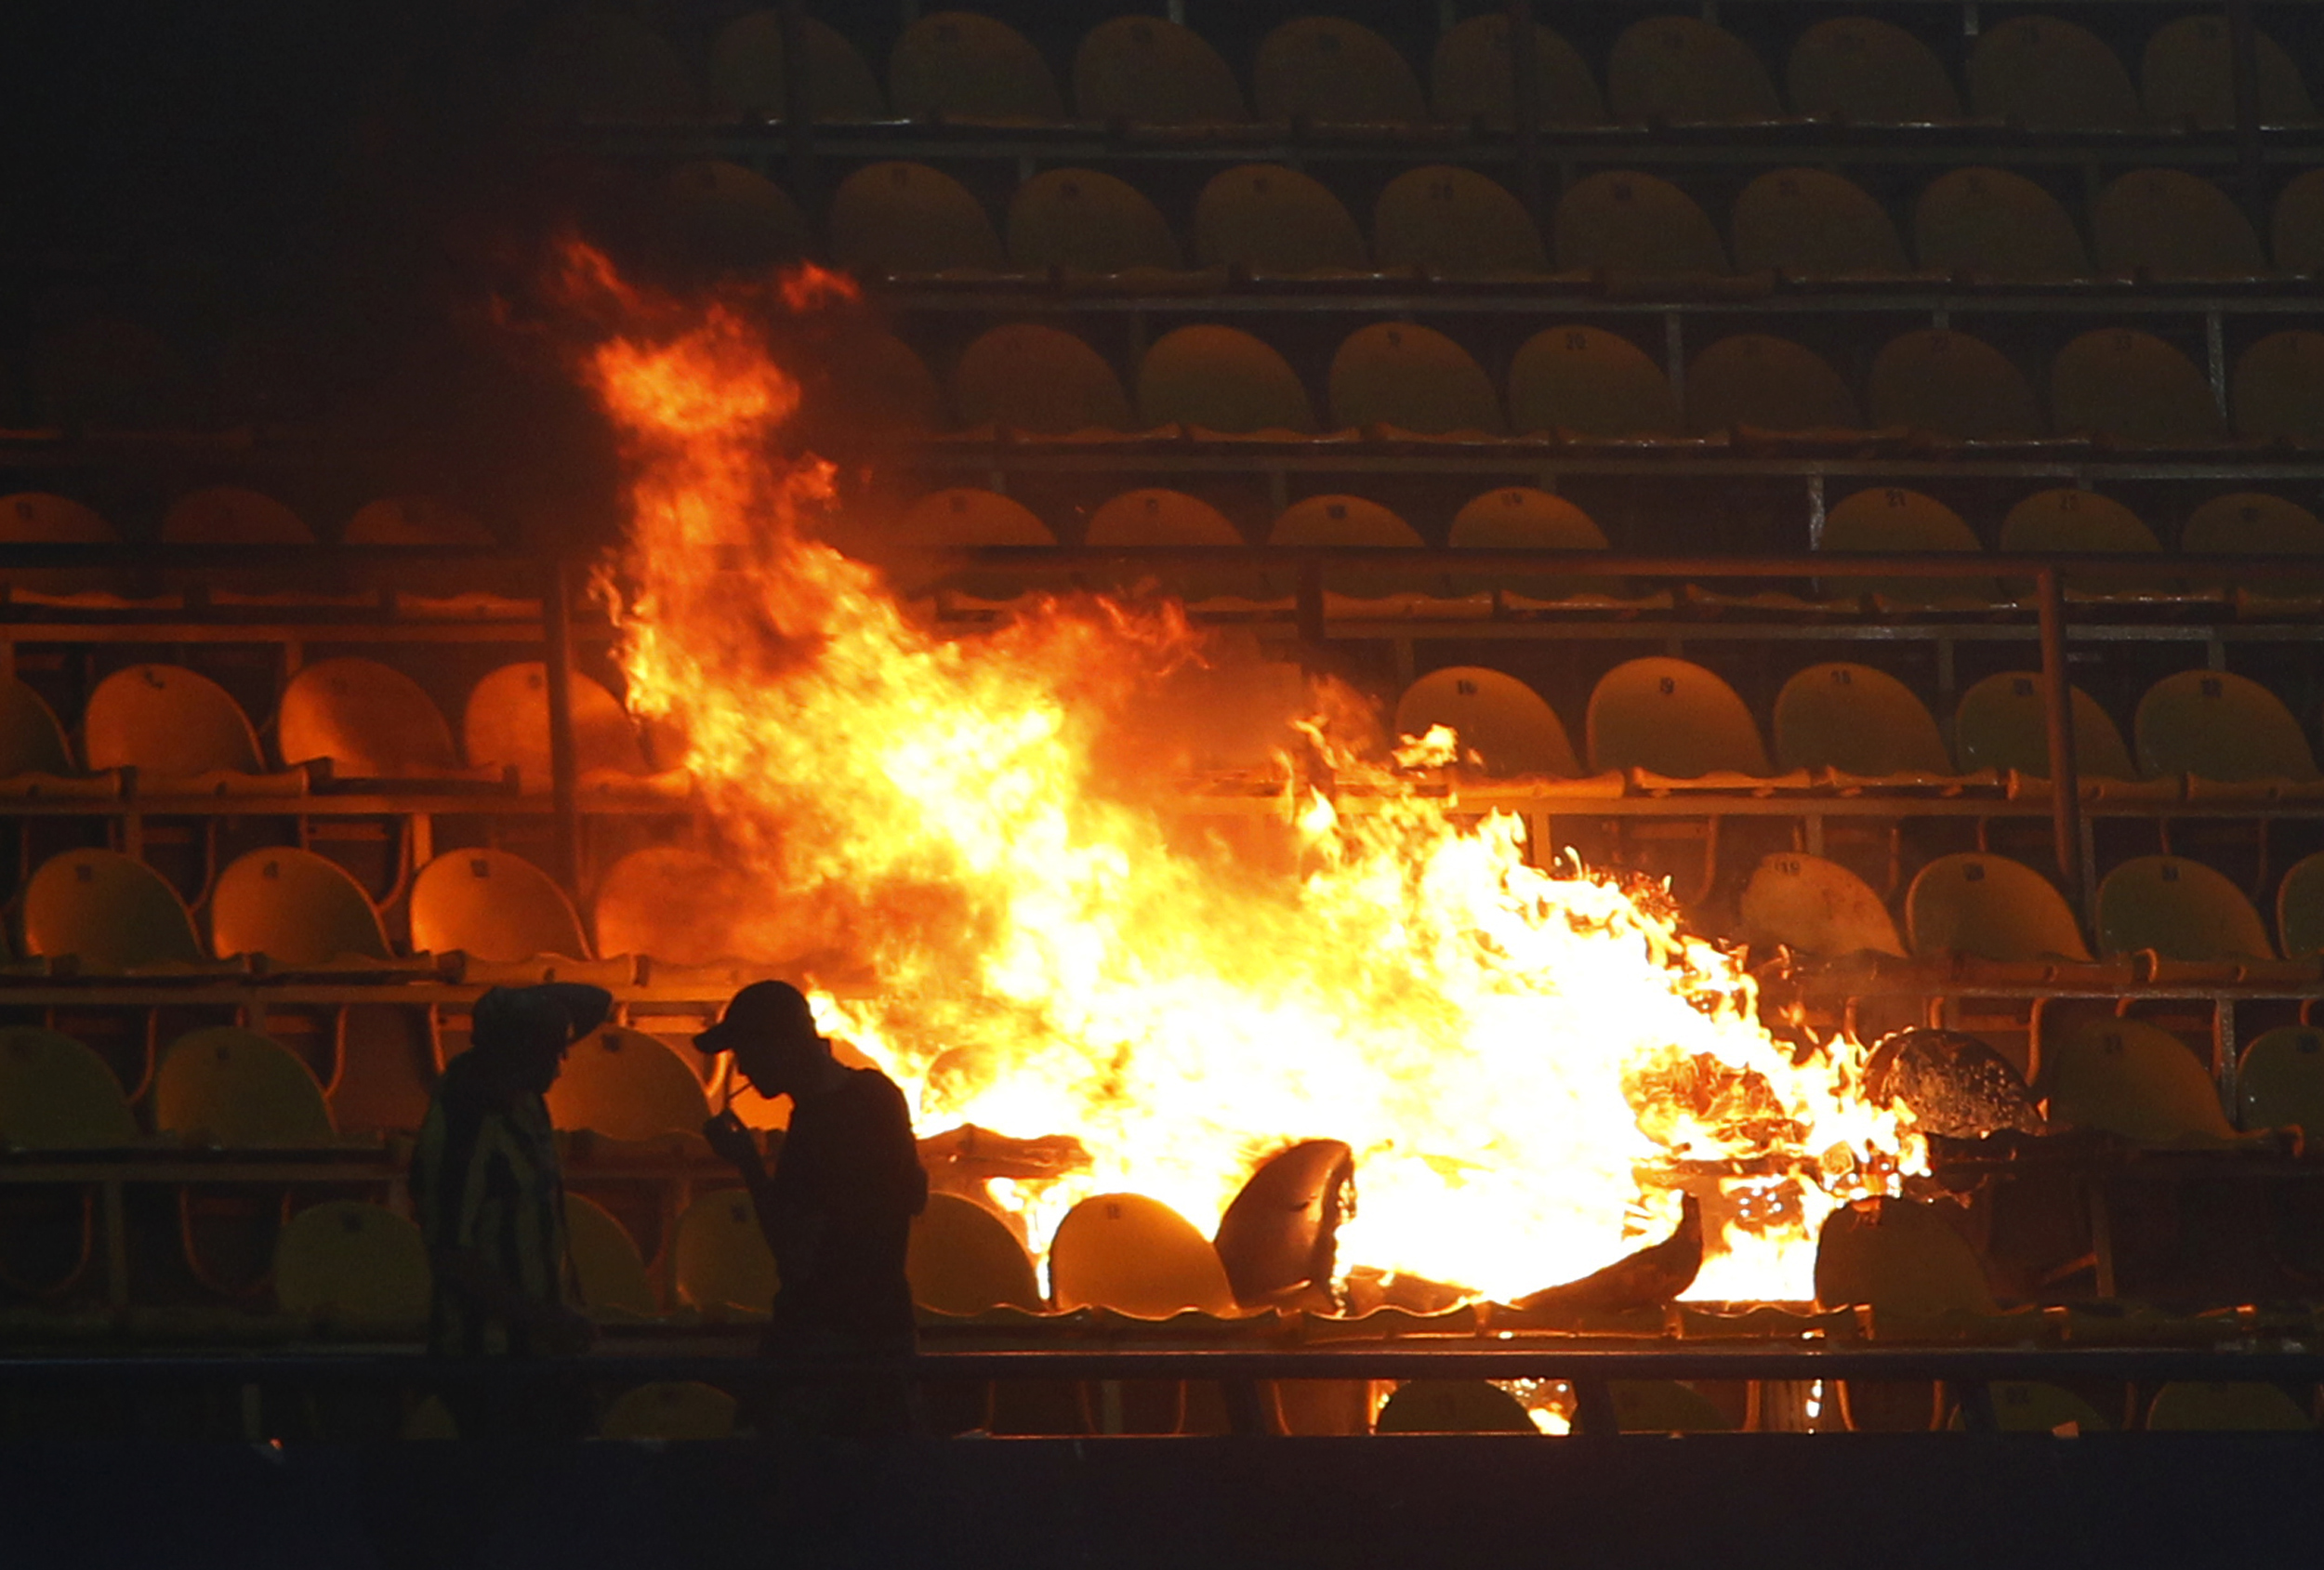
1858,720
1991,223
2300,909
1470,80
351,1265
2132,386
1812,224
504,724
1757,379
111,911
2003,723
1591,381
231,515
2130,1078
493,906
2179,908
1136,1256
2216,725
1869,73
1934,378
1085,221
2215,1405
1891,518
1411,377
237,1089
56,1094
963,1259
171,724
1452,1406
723,1264
2171,224
1814,906
961,65
608,1269
1989,907
1496,715
2050,75
1145,70
1628,222
1271,219
1221,378
369,720
626,1085
1454,223
298,910
1026,376
1671,718
748,73
667,1410
904,218
1157,517
2277,389
1349,520
1521,518
2187,77
1679,70
2281,1081
1335,72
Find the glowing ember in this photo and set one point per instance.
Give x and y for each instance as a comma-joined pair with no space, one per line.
970,825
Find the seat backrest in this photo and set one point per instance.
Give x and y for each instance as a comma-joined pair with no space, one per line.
1857,719
112,910
1686,71
2132,1079
959,516
1154,516
2172,224
961,65
1758,379
166,720
414,521
2187,77
2296,230
681,907
1589,380
1452,1406
1356,520
727,217
31,740
1146,71
1404,375
504,724
231,515
1470,79
1136,1256
2278,390
29,517
2063,520
349,1260
1628,222
626,1085
899,217
1085,221
963,1259
1496,715
1889,518
2280,1082
2179,908
1898,1256
1271,219
1223,379
879,384
56,1094
2003,722
1869,73
1990,906
1814,223
1027,377
2124,383
2252,523
1521,518
1455,223
2299,910
295,907
746,71
2217,725
1991,223
607,1266
494,905
1335,71
370,719
669,1409
1813,906
232,1088
1934,378
2188,1404
1671,718
722,1257
2050,75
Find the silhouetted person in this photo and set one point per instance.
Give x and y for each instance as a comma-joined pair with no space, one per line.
836,1211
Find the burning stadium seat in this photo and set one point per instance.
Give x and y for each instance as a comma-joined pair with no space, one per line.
1085,221
1855,720
2187,77
1683,71
56,1094
1221,378
726,217
1812,224
231,515
2281,1081
1334,72
1770,383
958,65
349,1264
2278,391
237,1089
1271,219
1136,1256
626,1085
1671,718
1624,221
1470,79
2050,75
608,1269
723,1264
1026,376
31,742
2193,1404
1452,1406
1592,382
904,217
1815,908
109,911
2136,1080
1937,379
2065,520
1889,518
1869,73
669,1409
2003,723
2216,725
2296,230
592,64
493,906
2132,386
2179,908
1157,517
167,722
370,720
1496,715
504,724
746,74
1989,907
1453,222
2299,910
963,1259
1410,377
1349,520
2171,224
413,521
2252,523
1991,223
298,909
1521,518
1144,70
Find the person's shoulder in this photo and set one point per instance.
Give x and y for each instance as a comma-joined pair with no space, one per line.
873,1090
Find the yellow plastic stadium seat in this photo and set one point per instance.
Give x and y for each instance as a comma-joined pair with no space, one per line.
1889,518
1989,907
1628,222
2066,522
626,1085
370,719
2252,523
2133,1079
733,218
2050,75
352,1263
2133,387
2186,1405
1470,80
1496,715
2299,910
746,72
669,1409
1085,221
2216,725
2277,389
504,724
1452,1406
1136,1256
2187,77
1665,1407
56,1094
1856,720
1352,520
31,740
1412,378
1454,223
1521,518
166,721
1026,376
237,1089
594,64
112,911
1869,73
1269,218
1590,381
908,217
1756,380
958,65
2181,909
31,517
1670,718
607,1267
2296,232
493,906
2003,723
681,907
231,515
1991,223
1146,71
722,1261
1336,71
878,385
1812,224
2280,1082
1898,1256
1157,517
961,516
1937,379
2171,224
413,521
1814,906
295,908
1221,378
1686,72
963,1259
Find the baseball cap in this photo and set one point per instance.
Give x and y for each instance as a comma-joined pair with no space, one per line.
763,1008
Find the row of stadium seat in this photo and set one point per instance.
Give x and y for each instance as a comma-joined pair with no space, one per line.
2033,70
237,515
